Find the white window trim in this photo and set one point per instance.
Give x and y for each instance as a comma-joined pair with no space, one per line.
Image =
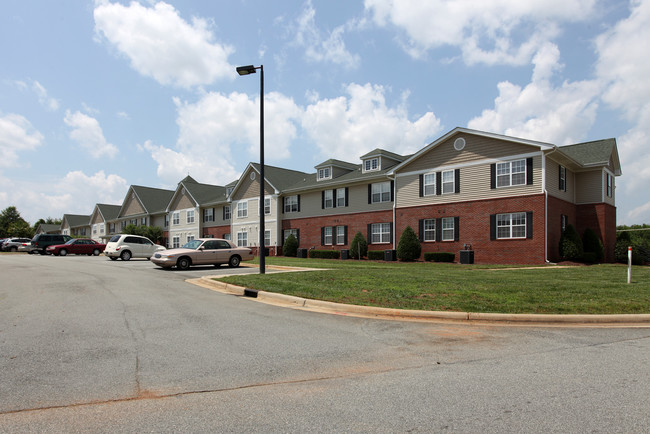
447,183
324,173
190,216
288,206
242,209
379,230
341,241
328,238
381,192
510,174
430,184
340,197
445,230
510,226
242,236
228,212
176,218
431,231
369,162
330,199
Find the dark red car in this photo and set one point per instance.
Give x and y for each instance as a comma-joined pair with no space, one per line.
77,246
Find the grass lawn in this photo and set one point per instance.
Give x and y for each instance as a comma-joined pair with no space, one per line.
597,289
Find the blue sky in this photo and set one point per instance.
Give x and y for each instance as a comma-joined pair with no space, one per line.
97,96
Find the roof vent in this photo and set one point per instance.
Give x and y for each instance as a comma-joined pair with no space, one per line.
459,144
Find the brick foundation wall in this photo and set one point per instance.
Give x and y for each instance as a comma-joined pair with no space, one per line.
215,231
557,208
474,229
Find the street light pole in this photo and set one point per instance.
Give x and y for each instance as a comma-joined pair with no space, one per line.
245,70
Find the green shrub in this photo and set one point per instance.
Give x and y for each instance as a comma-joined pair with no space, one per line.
408,248
290,247
358,247
592,244
376,255
590,258
571,245
439,256
324,254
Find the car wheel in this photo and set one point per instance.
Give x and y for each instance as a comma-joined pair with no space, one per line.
63,252
13,249
126,255
113,258
96,252
234,261
183,263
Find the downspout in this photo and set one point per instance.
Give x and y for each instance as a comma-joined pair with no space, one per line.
394,211
545,204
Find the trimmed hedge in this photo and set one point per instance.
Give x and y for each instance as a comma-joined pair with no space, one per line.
290,247
376,255
324,254
439,257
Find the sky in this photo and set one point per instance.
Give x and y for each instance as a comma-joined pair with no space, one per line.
96,96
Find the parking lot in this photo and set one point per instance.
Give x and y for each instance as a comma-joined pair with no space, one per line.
93,345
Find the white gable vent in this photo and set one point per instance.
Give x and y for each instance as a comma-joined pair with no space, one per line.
459,144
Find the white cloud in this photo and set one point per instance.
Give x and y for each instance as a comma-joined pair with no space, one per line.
318,48
162,45
16,135
348,127
88,133
44,99
540,111
75,193
485,31
623,65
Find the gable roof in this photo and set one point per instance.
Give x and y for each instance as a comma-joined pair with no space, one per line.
278,178
201,194
108,212
75,220
337,163
48,228
595,153
153,200
383,153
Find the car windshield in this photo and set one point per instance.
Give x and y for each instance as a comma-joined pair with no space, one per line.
194,244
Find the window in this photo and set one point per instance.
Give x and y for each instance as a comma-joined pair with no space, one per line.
143,221
381,192
448,185
229,190
371,164
176,218
341,197
190,216
111,228
429,184
242,210
94,229
166,220
328,199
267,238
227,237
208,215
176,242
226,212
511,225
291,204
324,173
380,233
341,235
190,238
428,230
242,239
267,206
511,173
294,232
327,236
102,226
448,229
562,180
610,185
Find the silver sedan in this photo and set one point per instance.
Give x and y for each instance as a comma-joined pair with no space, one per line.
203,251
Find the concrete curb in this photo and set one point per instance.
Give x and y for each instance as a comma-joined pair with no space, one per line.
622,320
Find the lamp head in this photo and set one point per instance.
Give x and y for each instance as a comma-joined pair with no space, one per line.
245,70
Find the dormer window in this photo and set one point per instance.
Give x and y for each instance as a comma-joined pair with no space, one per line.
371,164
229,190
324,173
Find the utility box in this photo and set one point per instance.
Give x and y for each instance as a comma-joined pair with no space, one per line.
301,253
345,254
390,255
467,256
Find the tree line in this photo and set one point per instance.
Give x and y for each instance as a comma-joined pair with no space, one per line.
13,225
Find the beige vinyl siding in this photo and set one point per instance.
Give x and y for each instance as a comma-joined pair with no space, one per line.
132,207
251,188
97,219
182,201
474,185
218,216
158,220
311,203
477,148
590,186
553,182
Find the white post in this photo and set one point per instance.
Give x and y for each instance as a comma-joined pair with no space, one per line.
629,264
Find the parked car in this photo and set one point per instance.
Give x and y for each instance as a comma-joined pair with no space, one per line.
126,247
42,241
26,247
77,246
12,244
203,251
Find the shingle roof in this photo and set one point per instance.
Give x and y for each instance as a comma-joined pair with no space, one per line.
109,212
154,200
384,153
591,153
337,163
76,220
281,178
204,193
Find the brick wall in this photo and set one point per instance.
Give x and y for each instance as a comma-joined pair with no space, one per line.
216,231
474,229
601,218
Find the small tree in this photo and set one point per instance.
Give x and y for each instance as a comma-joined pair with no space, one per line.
290,247
358,247
592,244
571,244
408,248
